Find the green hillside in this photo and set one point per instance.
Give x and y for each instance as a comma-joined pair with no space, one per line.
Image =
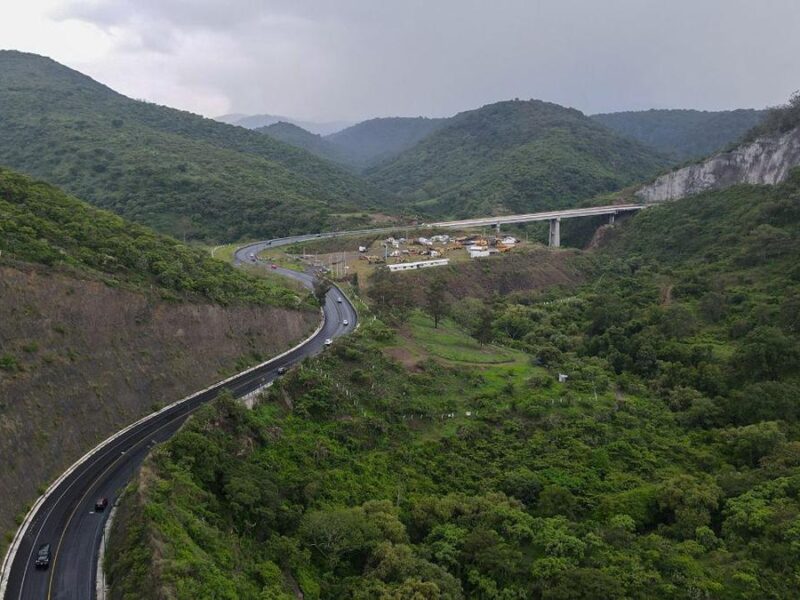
370,142
683,134
514,156
182,174
41,224
418,462
300,138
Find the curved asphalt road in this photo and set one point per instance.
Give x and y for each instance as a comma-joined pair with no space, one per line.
67,521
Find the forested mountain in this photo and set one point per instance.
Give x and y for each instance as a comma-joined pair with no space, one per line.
515,156
767,155
310,142
683,134
103,320
370,142
173,170
778,119
416,462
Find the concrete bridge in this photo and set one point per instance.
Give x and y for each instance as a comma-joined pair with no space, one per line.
554,217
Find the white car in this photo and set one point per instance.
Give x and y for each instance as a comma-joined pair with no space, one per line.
339,300
328,342
345,322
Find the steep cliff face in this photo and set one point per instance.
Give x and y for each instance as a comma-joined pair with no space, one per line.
765,161
80,359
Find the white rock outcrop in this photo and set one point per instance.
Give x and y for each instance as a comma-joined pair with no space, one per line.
765,161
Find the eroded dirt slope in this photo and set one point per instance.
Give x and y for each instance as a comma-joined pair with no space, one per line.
79,360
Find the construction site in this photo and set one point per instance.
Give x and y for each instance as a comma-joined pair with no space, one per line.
398,253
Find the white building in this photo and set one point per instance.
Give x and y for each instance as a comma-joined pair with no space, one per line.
480,253
424,264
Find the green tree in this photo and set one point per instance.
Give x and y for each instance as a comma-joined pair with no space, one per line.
436,304
766,353
321,288
482,330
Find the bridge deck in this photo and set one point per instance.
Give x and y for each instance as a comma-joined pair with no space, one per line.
542,216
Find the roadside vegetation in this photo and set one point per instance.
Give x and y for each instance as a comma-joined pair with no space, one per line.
414,461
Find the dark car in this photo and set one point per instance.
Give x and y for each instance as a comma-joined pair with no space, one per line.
43,557
282,370
101,504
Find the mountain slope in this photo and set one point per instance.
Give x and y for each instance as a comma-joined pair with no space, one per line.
178,172
370,142
683,134
515,156
300,138
103,320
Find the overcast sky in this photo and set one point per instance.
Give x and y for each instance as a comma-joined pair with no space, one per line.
354,59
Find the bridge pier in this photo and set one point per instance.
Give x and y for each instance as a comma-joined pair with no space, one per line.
555,232
612,218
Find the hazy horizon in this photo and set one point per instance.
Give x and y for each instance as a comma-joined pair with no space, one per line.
356,60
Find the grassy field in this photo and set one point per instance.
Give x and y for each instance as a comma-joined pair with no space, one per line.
453,345
224,252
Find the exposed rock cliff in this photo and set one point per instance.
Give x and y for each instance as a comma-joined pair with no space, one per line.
766,160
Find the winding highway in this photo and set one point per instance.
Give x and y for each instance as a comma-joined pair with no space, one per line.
65,517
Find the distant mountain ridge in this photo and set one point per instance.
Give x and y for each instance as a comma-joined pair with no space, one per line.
301,138
683,134
180,173
376,140
362,145
265,120
514,156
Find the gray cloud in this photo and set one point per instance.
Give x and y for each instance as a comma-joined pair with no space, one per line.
359,58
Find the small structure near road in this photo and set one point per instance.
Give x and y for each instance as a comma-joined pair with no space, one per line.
423,264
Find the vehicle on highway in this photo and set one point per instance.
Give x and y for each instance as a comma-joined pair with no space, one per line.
345,322
282,370
328,342
43,557
339,299
273,266
101,504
